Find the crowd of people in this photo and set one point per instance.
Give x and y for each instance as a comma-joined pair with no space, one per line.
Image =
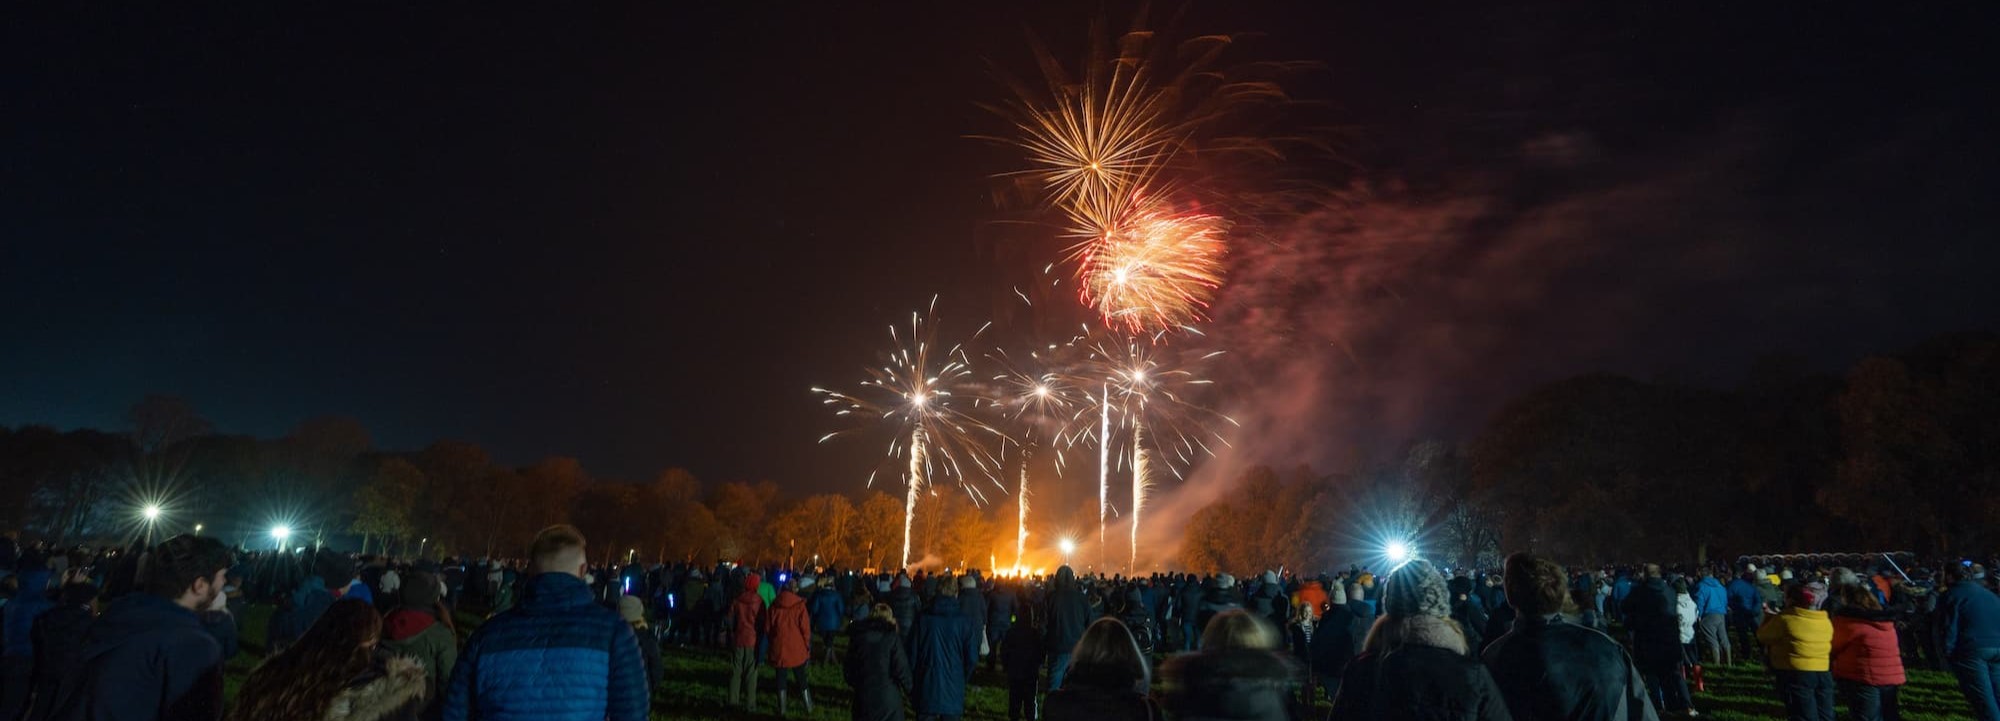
144,632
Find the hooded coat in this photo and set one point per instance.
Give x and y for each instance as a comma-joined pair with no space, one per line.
1069,612
1709,598
416,634
555,656
829,610
1743,596
903,602
145,658
1428,678
1092,696
944,650
790,629
746,611
1333,642
1798,639
877,669
58,639
1548,668
1229,684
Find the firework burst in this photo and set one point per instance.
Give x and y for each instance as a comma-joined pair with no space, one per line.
1034,399
919,396
1157,270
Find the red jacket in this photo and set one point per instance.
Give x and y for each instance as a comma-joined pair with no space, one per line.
1864,648
790,628
745,612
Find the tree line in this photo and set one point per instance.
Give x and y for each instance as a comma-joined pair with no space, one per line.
1901,452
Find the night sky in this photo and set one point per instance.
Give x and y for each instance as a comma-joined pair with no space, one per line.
639,237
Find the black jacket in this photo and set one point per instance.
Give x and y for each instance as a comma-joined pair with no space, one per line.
1333,642
1229,684
1085,697
1547,669
1021,652
1069,612
905,604
146,658
999,610
57,635
1418,683
877,669
1653,618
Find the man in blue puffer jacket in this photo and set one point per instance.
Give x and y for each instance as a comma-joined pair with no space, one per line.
554,656
828,611
1711,605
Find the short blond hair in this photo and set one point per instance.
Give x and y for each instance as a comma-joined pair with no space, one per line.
557,548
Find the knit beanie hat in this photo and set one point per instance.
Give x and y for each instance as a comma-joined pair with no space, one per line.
631,609
1225,581
806,583
968,582
1336,595
1808,596
1416,590
1270,577
419,591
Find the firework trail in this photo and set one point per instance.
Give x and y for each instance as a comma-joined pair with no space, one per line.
1033,400
933,431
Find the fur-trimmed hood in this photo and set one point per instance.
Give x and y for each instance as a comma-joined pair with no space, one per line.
1229,684
1393,632
400,685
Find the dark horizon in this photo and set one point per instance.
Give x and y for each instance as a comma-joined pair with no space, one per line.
638,238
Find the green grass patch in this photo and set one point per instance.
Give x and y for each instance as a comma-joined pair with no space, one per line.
696,687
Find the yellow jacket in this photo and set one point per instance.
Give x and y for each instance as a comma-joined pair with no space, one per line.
1798,640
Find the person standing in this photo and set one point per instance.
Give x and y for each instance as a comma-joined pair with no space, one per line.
148,657
944,653
1711,604
334,674
1331,647
877,668
413,630
556,655
17,655
1549,668
1746,611
1237,674
999,618
1063,623
1652,616
1967,625
973,603
789,627
1867,663
1799,641
1108,679
829,614
632,611
1023,653
745,613
1415,663
58,635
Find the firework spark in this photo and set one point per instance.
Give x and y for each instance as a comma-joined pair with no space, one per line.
1033,398
1157,270
916,395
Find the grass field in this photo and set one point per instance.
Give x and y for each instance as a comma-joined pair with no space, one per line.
697,688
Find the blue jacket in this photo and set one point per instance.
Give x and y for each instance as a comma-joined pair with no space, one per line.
1968,619
829,611
1744,596
944,650
146,658
555,656
20,613
1709,598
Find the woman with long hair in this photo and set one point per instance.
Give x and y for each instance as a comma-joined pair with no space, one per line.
1108,679
877,668
1237,674
333,673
